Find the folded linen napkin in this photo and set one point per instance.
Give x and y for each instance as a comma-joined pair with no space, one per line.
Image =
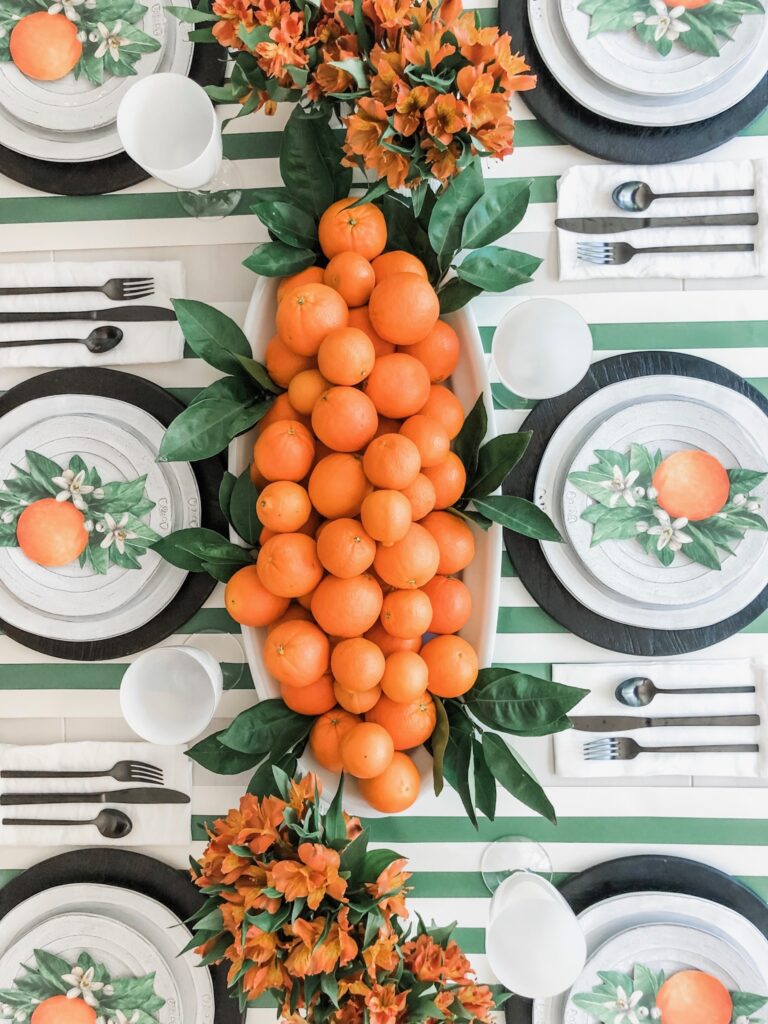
153,824
152,342
602,678
585,191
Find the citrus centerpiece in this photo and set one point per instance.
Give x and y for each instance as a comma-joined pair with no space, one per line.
45,46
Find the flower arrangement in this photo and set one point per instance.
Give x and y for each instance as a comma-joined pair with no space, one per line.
299,907
420,87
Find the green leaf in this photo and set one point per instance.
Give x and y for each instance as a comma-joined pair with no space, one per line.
276,259
747,1003
377,861
496,213
471,436
458,756
405,232
485,783
520,704
212,335
618,523
353,858
310,162
190,15
455,294
438,742
701,549
495,460
255,730
335,826
641,460
518,515
42,471
354,67
52,967
242,509
263,782
744,481
289,223
259,374
226,408
192,548
330,986
450,211
213,755
515,777
495,269
225,491
699,36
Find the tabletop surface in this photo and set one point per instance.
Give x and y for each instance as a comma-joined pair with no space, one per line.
45,700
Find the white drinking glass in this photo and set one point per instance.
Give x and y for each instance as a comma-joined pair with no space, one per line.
541,348
168,125
534,942
169,695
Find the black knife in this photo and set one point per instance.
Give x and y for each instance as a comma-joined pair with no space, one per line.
612,225
133,314
621,723
116,796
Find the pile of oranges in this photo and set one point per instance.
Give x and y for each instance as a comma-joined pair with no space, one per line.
359,556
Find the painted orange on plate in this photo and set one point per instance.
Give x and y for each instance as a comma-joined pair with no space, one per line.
691,484
45,46
694,997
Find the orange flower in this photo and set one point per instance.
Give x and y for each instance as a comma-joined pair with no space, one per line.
446,117
455,965
302,792
385,1004
258,979
314,877
309,955
354,826
352,1011
232,14
392,14
508,68
332,79
477,44
381,954
498,139
426,45
409,107
352,985
392,166
424,957
385,85
271,12
259,946
477,1001
285,46
485,106
365,127
233,917
390,889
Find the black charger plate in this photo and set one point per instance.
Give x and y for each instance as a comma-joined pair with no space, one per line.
652,873
97,177
528,558
128,871
613,140
197,587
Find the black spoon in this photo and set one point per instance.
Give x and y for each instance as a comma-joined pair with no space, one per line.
111,824
638,691
100,340
636,196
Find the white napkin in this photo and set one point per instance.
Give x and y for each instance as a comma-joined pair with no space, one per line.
153,824
585,191
152,342
602,678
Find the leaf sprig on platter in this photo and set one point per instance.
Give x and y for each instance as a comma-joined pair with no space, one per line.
703,29
115,1000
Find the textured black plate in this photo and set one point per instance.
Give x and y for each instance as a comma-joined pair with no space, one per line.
96,177
527,556
197,587
127,871
612,140
651,874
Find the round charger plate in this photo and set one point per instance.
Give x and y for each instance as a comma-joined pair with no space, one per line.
569,117
617,894
624,61
543,567
148,616
669,425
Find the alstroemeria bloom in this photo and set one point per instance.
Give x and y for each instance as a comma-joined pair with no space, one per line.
477,44
385,1004
446,117
426,44
411,103
313,876
390,889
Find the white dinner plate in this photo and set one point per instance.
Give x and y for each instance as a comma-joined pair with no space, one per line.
603,99
551,485
158,925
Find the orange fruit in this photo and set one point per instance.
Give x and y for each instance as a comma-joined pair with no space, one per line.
362,229
451,603
409,563
452,664
386,516
391,461
410,724
403,308
349,607
295,613
421,494
359,318
366,750
346,356
307,314
326,736
308,527
312,275
283,364
388,644
281,409
344,418
45,47
288,565
387,426
249,602
51,532
406,613
357,702
398,262
59,1009
296,653
449,478
314,699
429,436
405,677
442,405
284,451
345,549
305,389
357,664
283,506
398,385
454,539
438,351
257,479
337,485
396,789
688,4
694,997
691,484
352,276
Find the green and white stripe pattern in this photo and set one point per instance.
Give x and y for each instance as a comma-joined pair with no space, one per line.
44,700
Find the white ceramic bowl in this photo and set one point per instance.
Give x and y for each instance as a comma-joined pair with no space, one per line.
482,576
